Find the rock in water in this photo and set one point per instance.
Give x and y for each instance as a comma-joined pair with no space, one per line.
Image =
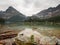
32,36
26,34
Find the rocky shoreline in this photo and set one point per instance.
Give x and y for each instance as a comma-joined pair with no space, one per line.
7,37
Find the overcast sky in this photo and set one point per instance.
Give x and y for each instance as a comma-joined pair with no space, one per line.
28,7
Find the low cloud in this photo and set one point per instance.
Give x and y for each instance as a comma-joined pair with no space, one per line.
28,7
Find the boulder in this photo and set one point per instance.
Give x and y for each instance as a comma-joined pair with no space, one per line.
29,36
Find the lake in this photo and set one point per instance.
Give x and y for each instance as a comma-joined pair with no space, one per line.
43,29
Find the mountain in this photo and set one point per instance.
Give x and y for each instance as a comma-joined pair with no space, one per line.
48,13
12,15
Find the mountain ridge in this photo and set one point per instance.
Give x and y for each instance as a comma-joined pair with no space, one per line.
11,12
47,13
12,15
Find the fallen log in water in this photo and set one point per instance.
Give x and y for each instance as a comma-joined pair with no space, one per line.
8,35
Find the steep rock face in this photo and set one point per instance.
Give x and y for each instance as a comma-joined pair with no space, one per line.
47,13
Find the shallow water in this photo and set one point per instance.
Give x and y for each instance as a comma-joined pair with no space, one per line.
39,27
45,30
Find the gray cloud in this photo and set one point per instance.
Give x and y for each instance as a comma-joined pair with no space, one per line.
4,4
28,7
